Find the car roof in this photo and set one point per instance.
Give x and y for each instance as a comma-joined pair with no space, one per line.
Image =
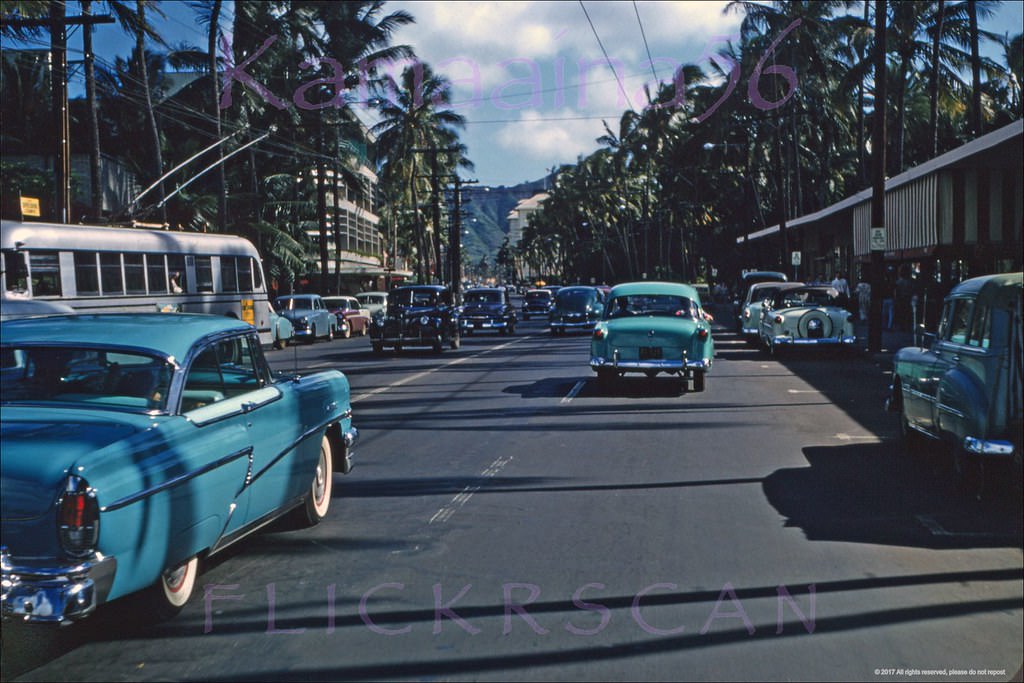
171,334
435,288
991,287
764,275
655,287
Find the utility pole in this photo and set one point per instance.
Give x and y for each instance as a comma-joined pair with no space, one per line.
58,24
455,240
435,184
878,185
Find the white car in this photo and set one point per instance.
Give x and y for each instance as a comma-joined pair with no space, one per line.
375,302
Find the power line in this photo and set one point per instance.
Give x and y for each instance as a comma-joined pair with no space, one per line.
647,47
606,57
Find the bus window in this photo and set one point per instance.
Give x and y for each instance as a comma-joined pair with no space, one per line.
15,272
228,274
204,274
156,271
176,269
257,273
110,274
245,274
87,274
45,269
134,274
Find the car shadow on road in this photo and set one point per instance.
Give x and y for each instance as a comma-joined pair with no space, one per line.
874,493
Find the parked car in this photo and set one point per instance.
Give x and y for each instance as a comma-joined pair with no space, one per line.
308,315
537,302
807,315
750,312
487,308
352,317
576,308
417,315
13,306
653,327
746,281
136,446
962,388
281,329
375,302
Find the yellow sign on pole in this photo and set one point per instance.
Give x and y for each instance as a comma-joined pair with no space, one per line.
249,311
30,206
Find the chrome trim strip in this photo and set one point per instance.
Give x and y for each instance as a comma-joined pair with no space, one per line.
180,479
949,409
824,340
987,447
322,427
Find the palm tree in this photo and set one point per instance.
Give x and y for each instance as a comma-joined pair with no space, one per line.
416,116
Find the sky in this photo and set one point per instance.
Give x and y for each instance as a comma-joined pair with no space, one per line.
532,77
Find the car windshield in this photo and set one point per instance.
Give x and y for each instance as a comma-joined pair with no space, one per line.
414,297
794,298
100,377
538,296
652,304
291,303
483,297
574,298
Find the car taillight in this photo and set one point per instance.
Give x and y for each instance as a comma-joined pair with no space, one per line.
702,334
599,333
78,518
778,319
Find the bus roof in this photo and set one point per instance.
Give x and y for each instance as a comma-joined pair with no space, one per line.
48,236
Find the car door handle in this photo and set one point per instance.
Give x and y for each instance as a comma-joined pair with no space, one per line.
956,358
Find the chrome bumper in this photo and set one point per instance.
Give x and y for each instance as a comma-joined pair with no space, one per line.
581,325
488,324
617,364
988,447
49,593
786,339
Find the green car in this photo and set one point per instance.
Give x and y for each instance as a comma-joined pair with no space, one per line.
963,386
653,327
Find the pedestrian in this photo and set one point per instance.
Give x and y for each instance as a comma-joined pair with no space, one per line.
175,287
863,299
902,298
841,286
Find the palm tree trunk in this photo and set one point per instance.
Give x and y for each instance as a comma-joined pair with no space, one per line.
95,188
972,14
901,97
933,83
211,51
154,132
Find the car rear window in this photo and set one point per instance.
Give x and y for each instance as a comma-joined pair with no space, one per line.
98,377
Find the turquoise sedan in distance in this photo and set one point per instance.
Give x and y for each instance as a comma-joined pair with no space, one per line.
650,328
134,447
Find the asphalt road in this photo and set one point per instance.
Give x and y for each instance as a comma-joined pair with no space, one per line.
507,519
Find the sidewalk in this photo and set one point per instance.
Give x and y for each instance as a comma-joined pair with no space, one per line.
892,341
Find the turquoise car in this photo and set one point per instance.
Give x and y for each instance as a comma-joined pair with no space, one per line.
134,447
650,328
962,389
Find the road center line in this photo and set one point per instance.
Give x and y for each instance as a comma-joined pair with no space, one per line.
418,375
461,498
572,392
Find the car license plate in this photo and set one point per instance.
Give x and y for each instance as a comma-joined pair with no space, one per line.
650,353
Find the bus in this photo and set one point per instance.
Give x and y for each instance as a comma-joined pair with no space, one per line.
96,269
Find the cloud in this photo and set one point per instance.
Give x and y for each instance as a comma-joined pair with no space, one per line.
538,68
